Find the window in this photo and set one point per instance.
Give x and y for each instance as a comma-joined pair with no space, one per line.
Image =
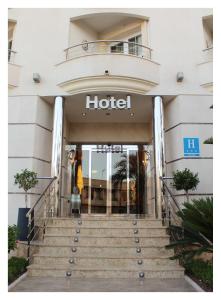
118,48
133,47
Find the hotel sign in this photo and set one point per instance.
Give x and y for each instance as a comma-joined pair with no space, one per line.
191,146
110,149
109,103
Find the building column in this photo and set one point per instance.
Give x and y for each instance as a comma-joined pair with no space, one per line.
57,147
159,155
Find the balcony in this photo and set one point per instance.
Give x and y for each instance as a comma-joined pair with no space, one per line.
105,65
205,69
13,70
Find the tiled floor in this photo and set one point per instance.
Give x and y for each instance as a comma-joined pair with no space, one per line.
40,284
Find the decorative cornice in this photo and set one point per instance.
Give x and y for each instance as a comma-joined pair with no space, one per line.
101,83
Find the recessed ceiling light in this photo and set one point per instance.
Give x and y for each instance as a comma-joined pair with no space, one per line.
83,114
131,114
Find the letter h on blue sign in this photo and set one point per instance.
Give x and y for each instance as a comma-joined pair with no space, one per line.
191,146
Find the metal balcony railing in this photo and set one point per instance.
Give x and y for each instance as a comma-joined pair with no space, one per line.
108,47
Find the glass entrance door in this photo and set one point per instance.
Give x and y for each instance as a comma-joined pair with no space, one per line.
99,182
110,179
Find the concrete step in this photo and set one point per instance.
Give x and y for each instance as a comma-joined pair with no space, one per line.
105,223
121,231
108,252
102,262
106,241
105,247
60,271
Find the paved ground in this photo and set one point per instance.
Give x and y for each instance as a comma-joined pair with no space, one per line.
39,284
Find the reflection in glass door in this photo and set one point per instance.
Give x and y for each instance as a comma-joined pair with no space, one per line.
119,182
98,182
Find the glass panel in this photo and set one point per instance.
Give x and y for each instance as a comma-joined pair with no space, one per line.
98,182
119,182
85,190
137,180
133,181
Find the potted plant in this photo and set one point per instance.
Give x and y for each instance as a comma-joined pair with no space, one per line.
185,180
25,180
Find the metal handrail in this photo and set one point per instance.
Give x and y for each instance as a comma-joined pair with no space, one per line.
169,191
171,208
107,41
31,218
85,47
42,195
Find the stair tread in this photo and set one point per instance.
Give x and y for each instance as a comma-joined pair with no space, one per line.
113,218
99,257
78,268
89,227
98,246
108,237
118,259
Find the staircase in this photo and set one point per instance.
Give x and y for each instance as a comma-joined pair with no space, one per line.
105,247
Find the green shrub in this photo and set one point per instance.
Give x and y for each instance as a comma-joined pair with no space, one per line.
26,180
16,267
185,180
195,235
12,236
209,141
202,270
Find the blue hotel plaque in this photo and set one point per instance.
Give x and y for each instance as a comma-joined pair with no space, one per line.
191,146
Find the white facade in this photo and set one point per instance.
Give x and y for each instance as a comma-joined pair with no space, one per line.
173,41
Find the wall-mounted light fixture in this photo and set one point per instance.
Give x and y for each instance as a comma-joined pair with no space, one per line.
36,77
179,77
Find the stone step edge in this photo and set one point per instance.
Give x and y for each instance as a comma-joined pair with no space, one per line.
105,218
101,257
76,268
106,237
108,246
89,227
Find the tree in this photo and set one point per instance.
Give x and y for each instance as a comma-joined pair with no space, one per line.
195,235
26,180
185,180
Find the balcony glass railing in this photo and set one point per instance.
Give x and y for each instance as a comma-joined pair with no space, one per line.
107,47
